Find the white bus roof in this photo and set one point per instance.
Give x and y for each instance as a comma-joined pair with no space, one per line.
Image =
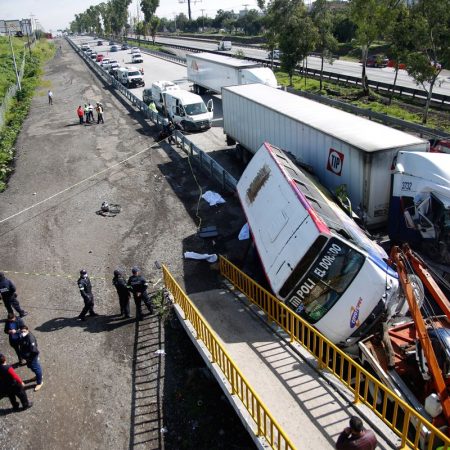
224,60
359,132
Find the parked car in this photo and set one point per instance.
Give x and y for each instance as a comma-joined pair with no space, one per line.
124,46
135,50
276,54
93,56
99,58
99,42
84,47
109,64
111,42
136,58
377,61
114,48
88,51
104,62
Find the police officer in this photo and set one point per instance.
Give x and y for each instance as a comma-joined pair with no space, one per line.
29,351
9,296
84,284
12,329
138,286
12,385
123,292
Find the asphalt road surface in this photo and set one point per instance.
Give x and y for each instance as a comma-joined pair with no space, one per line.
104,384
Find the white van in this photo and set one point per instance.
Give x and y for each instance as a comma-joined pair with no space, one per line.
224,45
158,88
130,77
136,58
188,110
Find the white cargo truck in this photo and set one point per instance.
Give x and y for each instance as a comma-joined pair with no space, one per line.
130,77
158,89
211,72
342,149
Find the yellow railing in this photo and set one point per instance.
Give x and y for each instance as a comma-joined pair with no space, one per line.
266,425
413,429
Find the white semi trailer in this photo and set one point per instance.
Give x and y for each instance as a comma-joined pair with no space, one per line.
211,72
341,148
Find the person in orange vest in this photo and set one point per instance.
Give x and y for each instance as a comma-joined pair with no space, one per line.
80,114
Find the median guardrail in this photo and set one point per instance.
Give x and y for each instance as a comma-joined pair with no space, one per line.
266,425
198,156
413,429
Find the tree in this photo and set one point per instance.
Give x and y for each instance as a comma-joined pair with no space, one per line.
344,29
399,36
326,43
153,27
148,7
370,18
221,17
251,22
297,38
430,28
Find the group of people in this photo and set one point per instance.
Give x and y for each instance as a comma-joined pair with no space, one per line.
136,285
86,114
24,344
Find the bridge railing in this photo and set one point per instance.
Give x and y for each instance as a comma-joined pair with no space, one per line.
266,425
413,429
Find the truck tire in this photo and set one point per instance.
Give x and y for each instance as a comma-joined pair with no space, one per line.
230,140
195,88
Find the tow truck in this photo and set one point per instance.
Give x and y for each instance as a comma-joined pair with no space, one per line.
412,356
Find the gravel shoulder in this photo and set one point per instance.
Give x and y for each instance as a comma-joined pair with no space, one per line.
104,385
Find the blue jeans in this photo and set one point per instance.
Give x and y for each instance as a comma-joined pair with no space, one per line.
35,367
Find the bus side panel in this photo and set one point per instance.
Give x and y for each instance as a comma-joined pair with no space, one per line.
282,229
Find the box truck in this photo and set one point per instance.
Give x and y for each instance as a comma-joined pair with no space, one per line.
346,152
211,72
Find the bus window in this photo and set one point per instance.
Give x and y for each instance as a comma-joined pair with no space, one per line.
329,277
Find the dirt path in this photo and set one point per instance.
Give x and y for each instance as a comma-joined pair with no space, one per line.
104,385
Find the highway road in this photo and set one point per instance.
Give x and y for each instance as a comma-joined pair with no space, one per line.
385,75
156,69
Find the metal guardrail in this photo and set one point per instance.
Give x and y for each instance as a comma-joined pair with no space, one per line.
197,155
365,388
266,425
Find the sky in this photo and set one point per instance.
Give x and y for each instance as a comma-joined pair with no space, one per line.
57,14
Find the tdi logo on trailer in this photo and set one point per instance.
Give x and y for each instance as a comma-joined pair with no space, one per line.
335,161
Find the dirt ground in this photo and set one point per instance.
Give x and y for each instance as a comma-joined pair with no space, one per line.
104,384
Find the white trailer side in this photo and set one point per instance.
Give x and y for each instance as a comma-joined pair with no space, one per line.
212,72
341,148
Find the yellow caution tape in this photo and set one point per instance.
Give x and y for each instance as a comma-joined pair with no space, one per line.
37,274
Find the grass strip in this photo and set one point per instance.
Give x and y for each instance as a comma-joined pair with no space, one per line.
20,105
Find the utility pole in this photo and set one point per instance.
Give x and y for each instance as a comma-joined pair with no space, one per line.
14,59
203,18
189,6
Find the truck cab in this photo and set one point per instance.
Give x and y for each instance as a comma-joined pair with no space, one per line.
188,110
419,210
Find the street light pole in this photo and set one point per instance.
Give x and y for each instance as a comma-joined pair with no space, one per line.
14,59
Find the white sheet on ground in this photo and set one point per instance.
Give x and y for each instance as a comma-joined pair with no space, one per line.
193,255
213,198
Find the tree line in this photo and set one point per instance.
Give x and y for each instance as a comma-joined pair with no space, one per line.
417,33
